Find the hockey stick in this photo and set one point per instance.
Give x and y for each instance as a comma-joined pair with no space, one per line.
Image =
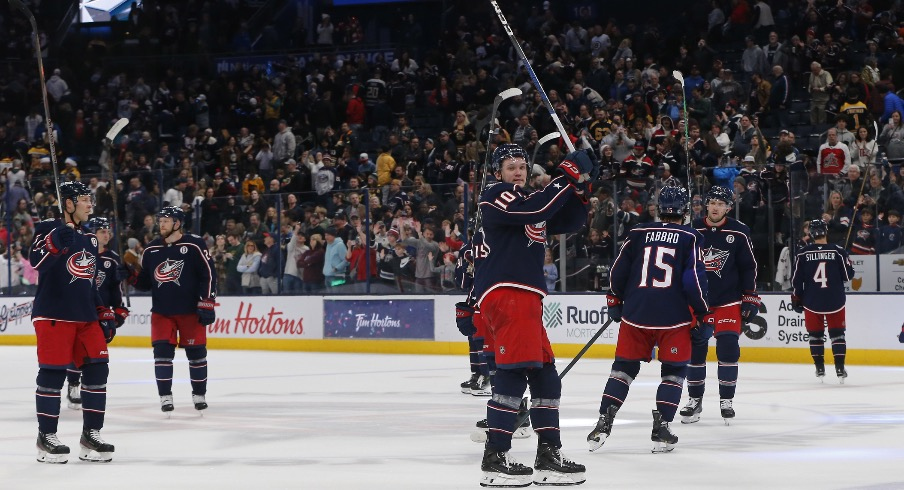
533,76
502,96
687,154
18,5
542,141
863,183
106,157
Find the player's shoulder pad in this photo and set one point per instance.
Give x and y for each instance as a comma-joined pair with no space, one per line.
496,188
737,225
157,242
698,223
43,227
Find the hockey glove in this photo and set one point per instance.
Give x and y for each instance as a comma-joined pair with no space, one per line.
750,306
464,319
578,166
701,333
123,272
59,240
614,304
121,313
796,304
206,313
107,320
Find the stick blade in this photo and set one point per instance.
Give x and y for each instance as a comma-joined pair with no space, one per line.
678,76
117,127
509,93
548,137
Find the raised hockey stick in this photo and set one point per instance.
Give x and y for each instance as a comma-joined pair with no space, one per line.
864,177
501,97
542,141
18,5
533,76
687,154
105,158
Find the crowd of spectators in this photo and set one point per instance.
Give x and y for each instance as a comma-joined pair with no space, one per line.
335,171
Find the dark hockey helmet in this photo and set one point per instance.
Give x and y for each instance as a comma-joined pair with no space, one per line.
720,193
673,201
818,229
97,223
171,212
507,150
72,190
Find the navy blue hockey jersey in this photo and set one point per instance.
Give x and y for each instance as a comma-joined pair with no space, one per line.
658,274
820,271
178,274
464,268
729,262
66,282
107,285
510,246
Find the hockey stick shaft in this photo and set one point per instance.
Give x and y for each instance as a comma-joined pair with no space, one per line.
20,6
687,153
533,76
522,417
108,144
502,96
862,184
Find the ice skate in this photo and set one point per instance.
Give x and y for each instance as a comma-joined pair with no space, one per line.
600,433
466,385
500,470
481,386
199,401
481,434
841,373
727,410
74,397
166,404
51,450
93,448
691,412
663,438
552,468
820,372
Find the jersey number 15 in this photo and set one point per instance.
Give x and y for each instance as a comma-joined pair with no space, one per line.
660,263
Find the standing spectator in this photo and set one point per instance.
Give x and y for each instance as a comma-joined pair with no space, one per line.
283,143
325,31
248,266
294,270
834,157
779,98
753,60
892,138
312,265
269,266
550,271
424,278
890,235
819,87
335,266
892,103
864,149
57,88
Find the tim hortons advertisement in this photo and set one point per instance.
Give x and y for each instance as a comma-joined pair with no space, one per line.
378,319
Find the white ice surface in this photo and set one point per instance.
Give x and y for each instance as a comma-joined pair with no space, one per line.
363,421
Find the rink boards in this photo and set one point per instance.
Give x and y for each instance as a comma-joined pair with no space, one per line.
426,325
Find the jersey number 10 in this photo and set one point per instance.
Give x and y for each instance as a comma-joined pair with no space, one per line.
659,263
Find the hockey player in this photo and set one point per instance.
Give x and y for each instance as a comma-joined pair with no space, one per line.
108,287
478,384
509,288
178,270
660,264
820,271
72,325
731,276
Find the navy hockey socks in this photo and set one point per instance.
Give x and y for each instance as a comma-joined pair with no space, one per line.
696,370
475,345
668,396
72,376
728,351
163,367
47,398
94,394
620,379
839,346
488,364
197,368
817,348
545,392
502,409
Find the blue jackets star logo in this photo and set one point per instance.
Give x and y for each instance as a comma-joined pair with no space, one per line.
715,259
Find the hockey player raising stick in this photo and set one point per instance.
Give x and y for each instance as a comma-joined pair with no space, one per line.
731,274
509,287
179,272
110,294
820,271
658,273
72,325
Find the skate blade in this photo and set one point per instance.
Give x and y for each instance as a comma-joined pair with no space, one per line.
481,392
500,480
690,419
93,456
662,447
481,436
544,478
466,391
45,457
74,406
596,443
521,433
727,421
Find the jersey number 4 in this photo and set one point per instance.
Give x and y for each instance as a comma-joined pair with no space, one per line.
660,263
820,275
